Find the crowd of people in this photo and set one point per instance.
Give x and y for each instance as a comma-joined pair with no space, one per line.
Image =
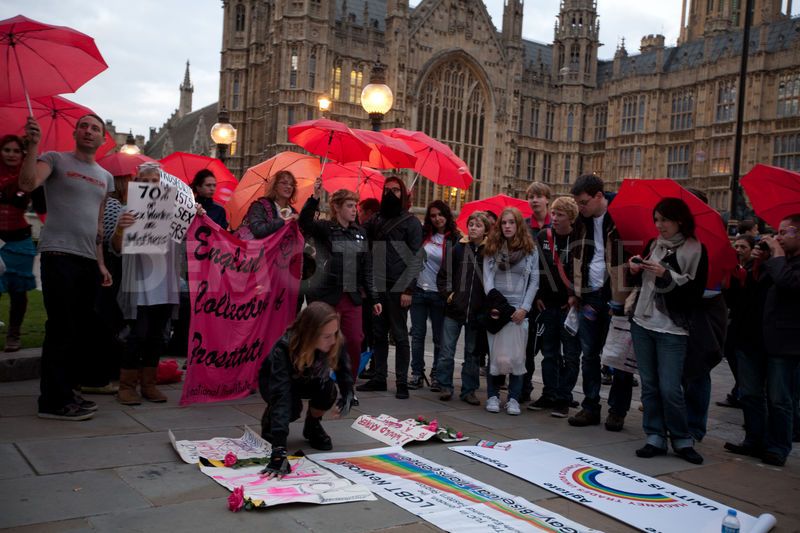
552,283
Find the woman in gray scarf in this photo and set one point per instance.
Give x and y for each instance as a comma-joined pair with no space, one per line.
673,276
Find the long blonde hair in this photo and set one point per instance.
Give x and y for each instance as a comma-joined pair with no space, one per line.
521,240
305,331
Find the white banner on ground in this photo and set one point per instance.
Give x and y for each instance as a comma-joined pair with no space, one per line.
394,432
442,496
643,502
248,446
307,483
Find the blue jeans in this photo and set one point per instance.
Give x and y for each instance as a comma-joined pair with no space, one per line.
514,386
766,388
425,304
660,358
592,332
561,356
470,376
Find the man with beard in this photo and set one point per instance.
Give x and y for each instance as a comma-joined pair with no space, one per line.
396,237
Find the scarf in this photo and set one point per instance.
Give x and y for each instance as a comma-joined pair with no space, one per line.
391,206
688,253
506,259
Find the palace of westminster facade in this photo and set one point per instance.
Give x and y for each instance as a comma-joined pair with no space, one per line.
515,110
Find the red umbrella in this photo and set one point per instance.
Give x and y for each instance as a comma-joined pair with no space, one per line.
632,210
57,118
386,152
38,59
774,192
367,182
435,161
122,164
495,204
329,139
185,166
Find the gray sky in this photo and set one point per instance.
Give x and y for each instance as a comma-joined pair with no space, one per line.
146,44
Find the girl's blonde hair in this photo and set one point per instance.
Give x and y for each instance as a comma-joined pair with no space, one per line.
305,331
521,240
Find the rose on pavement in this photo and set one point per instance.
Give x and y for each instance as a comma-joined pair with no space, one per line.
230,459
236,499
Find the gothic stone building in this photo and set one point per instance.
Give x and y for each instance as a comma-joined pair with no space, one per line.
517,110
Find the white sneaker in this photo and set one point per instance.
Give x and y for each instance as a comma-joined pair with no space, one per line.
512,407
493,405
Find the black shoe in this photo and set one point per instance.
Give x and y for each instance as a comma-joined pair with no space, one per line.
614,422
574,404
743,449
541,404
368,373
730,401
72,412
435,386
584,418
402,391
354,403
648,451
89,405
773,459
315,435
417,381
372,385
688,453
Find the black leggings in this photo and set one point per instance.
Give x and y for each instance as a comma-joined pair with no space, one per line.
145,337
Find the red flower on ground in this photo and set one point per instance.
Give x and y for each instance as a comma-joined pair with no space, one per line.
236,499
230,459
459,435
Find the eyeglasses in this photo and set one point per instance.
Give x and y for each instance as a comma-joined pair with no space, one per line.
791,231
287,183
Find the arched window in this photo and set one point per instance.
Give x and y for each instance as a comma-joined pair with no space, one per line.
570,125
240,16
336,80
356,84
452,109
294,65
574,57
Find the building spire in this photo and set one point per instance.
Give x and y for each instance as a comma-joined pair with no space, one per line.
187,82
185,106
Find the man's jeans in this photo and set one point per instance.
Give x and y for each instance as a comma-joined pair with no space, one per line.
660,358
765,386
514,386
69,286
561,356
394,318
592,332
423,305
470,374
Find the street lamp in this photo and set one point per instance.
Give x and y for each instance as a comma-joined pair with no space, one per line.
223,133
130,147
377,97
324,103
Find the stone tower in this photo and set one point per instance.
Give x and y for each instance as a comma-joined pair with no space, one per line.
575,44
707,17
187,89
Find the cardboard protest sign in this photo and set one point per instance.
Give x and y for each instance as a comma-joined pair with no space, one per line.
243,297
394,432
442,496
644,502
185,207
250,445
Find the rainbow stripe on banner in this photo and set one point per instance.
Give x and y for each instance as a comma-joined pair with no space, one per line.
395,464
587,478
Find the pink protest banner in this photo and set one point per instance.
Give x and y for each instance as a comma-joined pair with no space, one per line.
243,297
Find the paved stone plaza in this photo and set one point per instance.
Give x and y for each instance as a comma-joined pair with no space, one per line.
118,471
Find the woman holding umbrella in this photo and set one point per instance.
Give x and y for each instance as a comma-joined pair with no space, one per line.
269,213
673,277
18,252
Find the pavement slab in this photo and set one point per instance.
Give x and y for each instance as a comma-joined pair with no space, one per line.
14,464
77,525
15,429
171,483
197,417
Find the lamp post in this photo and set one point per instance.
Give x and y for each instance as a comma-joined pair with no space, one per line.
223,133
324,104
130,147
377,97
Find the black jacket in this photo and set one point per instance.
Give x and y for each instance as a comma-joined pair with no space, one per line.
262,223
214,211
745,299
460,281
277,375
344,263
782,307
552,290
395,243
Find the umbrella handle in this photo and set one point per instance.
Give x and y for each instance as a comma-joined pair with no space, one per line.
22,78
416,174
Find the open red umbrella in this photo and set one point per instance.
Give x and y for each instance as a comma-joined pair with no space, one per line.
185,166
435,161
57,118
367,182
253,186
122,164
386,152
774,192
495,204
632,210
38,59
329,139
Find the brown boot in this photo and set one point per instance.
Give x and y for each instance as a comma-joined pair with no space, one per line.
13,340
127,395
148,386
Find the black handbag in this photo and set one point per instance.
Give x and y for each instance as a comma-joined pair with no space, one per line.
496,312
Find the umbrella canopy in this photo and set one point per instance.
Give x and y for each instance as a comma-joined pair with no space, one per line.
367,182
185,166
57,118
329,139
38,59
386,152
435,161
774,192
632,210
495,204
122,164
253,186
